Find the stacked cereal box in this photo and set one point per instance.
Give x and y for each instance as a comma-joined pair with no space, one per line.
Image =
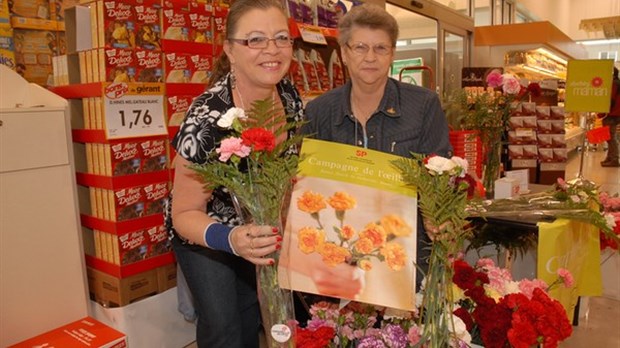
123,178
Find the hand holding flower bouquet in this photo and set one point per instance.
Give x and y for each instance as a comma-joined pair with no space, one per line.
258,170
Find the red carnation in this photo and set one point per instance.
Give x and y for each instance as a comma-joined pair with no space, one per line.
534,89
463,275
319,338
465,317
259,139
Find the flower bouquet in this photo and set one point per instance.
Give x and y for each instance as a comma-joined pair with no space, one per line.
571,200
258,173
357,325
443,186
487,111
500,312
610,205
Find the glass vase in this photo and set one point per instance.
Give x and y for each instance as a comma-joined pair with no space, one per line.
437,299
492,164
276,304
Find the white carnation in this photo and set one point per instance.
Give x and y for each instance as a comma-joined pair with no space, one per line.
440,164
461,162
611,221
230,116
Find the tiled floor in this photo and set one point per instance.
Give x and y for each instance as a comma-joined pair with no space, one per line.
599,322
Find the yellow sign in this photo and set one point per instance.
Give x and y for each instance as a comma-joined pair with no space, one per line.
352,164
588,85
572,245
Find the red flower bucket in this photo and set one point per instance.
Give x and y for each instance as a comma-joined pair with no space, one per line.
598,135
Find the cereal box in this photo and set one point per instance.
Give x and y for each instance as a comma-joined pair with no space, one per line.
124,159
219,28
158,241
149,66
155,196
201,23
148,24
58,7
125,204
30,8
177,67
154,155
176,108
120,65
200,66
175,20
118,24
4,12
33,54
7,49
130,247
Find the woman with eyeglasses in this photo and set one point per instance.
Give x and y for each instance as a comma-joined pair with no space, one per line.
375,111
217,255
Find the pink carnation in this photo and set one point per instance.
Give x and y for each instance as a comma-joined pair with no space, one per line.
232,146
510,84
414,335
567,278
494,79
527,286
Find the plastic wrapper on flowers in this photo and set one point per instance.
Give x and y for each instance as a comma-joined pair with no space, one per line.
579,200
258,172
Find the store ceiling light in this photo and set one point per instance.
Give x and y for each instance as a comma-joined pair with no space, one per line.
600,42
610,26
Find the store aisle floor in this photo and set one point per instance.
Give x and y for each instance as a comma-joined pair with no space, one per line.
599,322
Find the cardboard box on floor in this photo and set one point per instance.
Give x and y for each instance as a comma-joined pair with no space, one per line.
86,332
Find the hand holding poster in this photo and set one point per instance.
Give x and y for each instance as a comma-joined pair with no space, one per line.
351,227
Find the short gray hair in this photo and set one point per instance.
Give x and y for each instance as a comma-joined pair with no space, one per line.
367,16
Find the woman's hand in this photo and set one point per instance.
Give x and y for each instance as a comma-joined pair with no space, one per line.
254,242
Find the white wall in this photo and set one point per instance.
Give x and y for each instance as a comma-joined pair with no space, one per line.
566,14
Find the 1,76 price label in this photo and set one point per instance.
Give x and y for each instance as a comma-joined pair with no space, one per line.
134,116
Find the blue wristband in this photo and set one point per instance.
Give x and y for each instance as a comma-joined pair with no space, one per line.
216,237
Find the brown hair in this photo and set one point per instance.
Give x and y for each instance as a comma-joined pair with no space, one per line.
367,16
237,10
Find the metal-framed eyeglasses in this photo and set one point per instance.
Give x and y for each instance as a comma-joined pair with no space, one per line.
362,48
281,41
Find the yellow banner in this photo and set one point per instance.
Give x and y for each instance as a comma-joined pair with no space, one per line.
352,164
588,85
575,246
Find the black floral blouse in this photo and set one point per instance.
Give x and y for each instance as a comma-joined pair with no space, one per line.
198,137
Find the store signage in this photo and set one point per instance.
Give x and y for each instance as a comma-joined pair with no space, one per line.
134,110
588,85
312,35
401,71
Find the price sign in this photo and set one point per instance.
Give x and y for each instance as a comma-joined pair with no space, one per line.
312,35
134,110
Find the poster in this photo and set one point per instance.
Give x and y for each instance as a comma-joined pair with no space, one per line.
588,85
351,227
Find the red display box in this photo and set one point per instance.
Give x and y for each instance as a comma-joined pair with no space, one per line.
86,332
